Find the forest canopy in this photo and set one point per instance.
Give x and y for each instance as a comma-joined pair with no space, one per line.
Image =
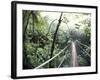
56,39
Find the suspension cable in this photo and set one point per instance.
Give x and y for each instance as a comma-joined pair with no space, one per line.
62,61
84,50
64,57
51,58
82,44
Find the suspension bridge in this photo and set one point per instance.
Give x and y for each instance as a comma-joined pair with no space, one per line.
74,54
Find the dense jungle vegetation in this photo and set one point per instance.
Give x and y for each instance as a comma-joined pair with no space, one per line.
56,39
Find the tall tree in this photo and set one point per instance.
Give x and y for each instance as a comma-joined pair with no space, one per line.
54,39
27,15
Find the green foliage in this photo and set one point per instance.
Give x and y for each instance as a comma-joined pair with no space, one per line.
38,33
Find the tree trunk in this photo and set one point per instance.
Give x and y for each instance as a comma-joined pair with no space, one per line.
25,23
54,39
